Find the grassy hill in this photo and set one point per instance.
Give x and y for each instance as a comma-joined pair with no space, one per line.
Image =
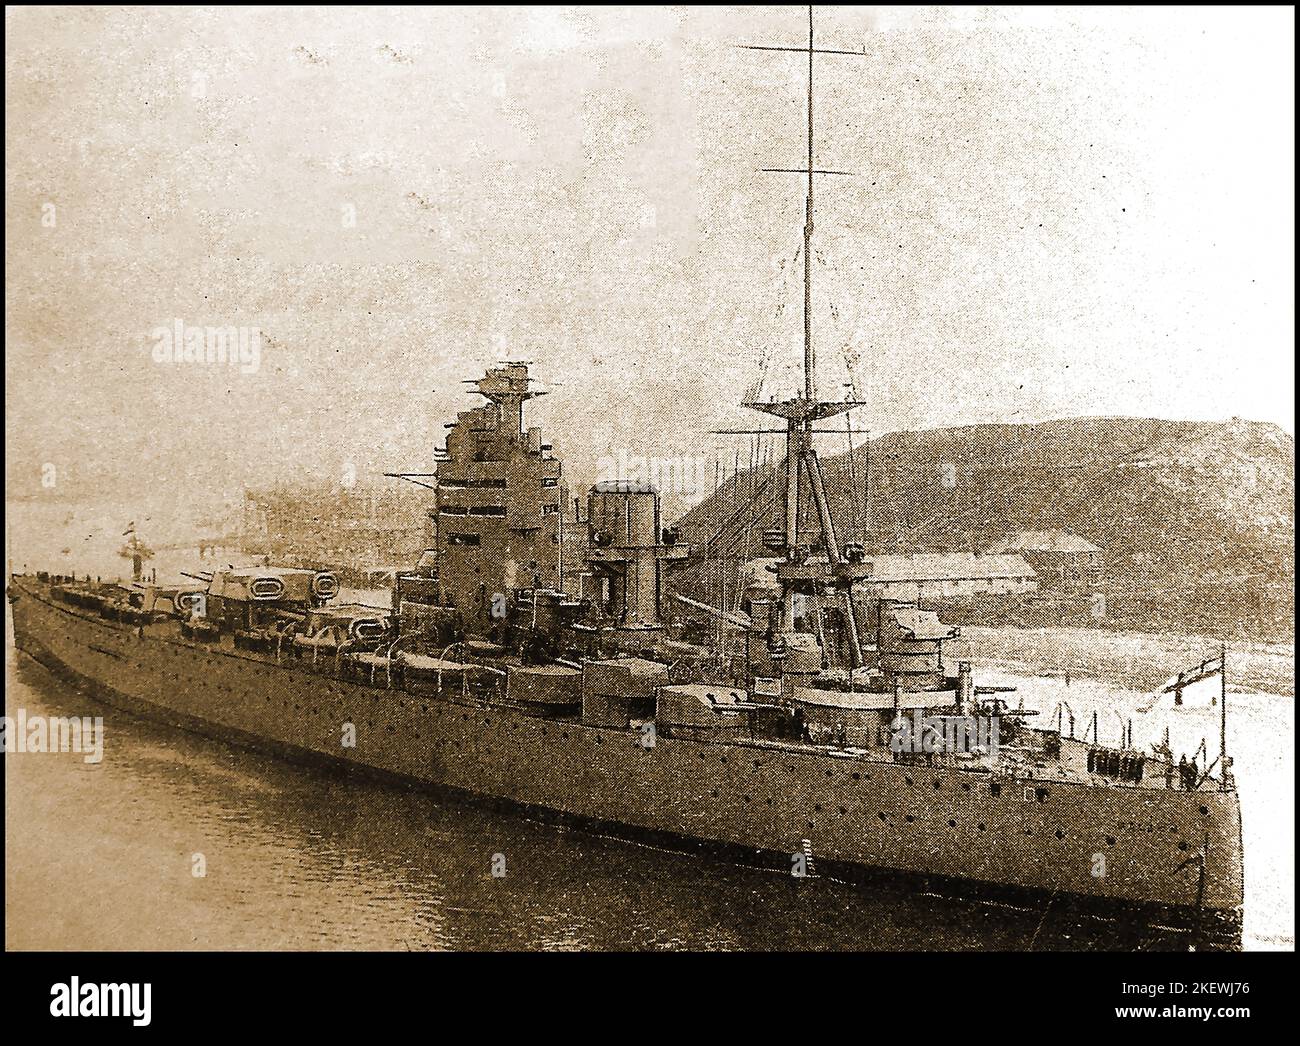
1196,519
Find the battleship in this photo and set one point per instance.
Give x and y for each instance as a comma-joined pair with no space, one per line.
529,659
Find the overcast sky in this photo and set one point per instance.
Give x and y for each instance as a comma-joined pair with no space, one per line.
1055,213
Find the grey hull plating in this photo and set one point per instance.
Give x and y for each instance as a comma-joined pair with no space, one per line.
911,819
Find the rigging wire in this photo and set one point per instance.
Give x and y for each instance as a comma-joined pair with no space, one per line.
765,350
853,478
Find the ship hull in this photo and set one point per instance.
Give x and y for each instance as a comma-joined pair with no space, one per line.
1128,846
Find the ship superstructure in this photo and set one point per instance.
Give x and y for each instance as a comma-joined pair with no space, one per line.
498,501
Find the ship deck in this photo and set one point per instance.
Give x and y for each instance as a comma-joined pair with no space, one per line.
454,683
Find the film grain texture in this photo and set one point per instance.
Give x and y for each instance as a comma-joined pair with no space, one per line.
649,478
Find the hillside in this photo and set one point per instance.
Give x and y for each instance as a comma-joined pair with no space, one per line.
1196,519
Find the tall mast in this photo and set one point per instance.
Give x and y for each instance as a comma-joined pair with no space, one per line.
806,408
809,361
800,412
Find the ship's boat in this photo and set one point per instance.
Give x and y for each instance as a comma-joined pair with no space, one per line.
556,688
161,601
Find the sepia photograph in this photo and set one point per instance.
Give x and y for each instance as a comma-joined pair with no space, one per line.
649,479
